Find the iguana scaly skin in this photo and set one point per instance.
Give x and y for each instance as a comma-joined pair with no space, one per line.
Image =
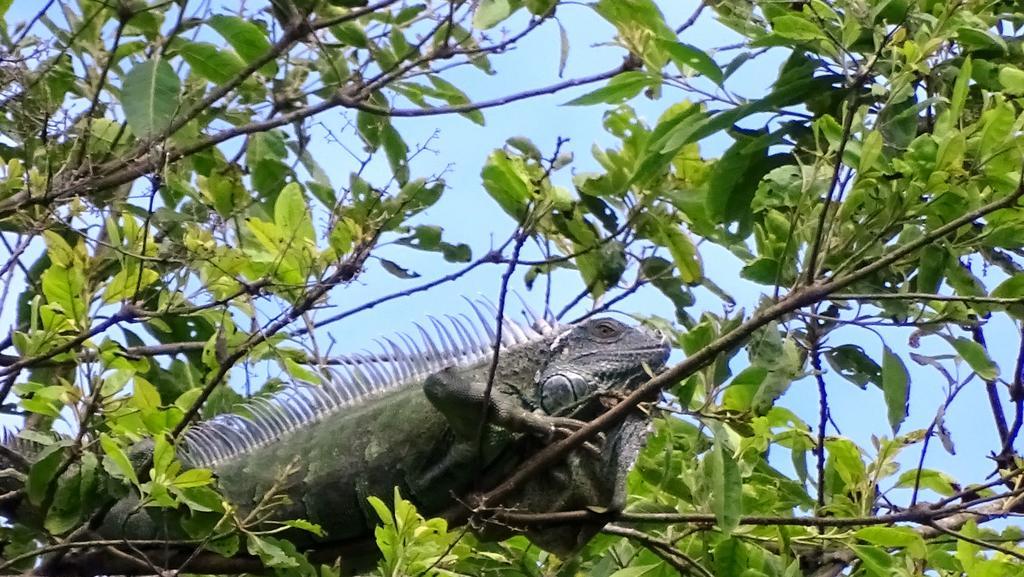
409,417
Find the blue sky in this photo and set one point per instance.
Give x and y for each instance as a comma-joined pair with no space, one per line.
458,148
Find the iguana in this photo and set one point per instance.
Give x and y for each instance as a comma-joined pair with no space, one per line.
409,417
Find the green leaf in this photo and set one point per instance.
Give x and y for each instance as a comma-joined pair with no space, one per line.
371,128
145,397
635,571
397,270
844,458
351,34
116,460
967,552
397,152
690,124
638,23
193,478
247,39
932,269
267,234
270,551
305,526
660,229
163,456
226,546
340,239
490,12
127,282
382,510
620,88
797,28
201,499
41,474
659,272
739,396
506,180
452,95
977,39
74,495
291,215
854,365
1011,288
977,357
731,560
686,56
723,476
429,238
960,87
1012,79
210,61
734,178
540,7
60,252
895,387
929,479
877,562
149,97
601,268
894,537
64,287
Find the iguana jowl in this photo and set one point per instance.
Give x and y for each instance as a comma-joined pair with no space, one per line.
409,417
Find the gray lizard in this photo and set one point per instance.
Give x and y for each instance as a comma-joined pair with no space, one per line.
409,417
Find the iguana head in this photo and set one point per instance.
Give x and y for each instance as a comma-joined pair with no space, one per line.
598,356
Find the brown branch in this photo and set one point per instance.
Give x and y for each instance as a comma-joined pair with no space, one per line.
926,297
1017,396
485,104
823,410
693,18
520,238
679,561
491,257
922,515
344,272
852,101
90,112
995,404
125,314
975,541
293,34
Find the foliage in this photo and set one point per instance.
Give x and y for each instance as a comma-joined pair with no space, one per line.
174,225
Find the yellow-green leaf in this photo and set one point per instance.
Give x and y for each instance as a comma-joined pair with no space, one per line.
977,357
1012,79
58,249
145,396
193,478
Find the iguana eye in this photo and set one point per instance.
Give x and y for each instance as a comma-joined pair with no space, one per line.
559,391
606,329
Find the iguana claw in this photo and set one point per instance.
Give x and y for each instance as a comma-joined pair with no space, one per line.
565,426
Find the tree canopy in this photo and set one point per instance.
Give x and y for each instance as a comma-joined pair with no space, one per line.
178,235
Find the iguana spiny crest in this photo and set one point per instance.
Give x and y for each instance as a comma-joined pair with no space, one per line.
461,341
582,360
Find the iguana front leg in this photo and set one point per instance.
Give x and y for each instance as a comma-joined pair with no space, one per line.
461,400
